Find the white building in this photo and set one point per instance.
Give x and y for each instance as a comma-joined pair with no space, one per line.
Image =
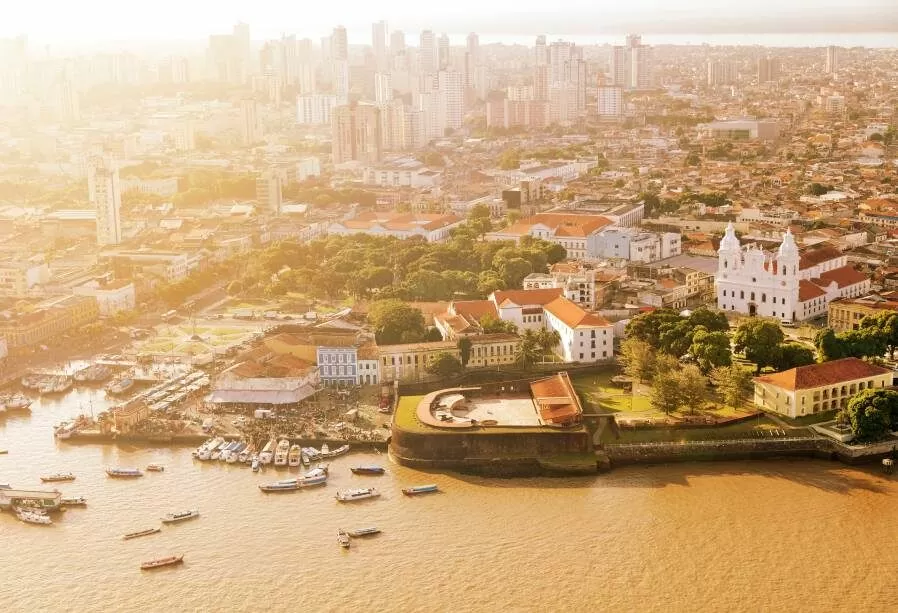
452,97
790,285
578,286
315,109
105,194
585,337
404,172
633,245
609,102
383,87
112,297
17,278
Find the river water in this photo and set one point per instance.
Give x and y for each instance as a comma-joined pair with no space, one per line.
735,536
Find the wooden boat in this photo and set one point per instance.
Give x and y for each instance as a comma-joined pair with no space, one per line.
139,533
367,470
31,517
343,539
155,468
74,501
169,561
124,473
58,477
420,489
173,518
367,531
357,494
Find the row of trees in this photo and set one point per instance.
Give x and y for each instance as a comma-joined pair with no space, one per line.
876,335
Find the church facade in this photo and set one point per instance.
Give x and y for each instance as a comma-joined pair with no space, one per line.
789,285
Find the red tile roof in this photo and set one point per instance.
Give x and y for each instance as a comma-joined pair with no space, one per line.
527,297
573,315
808,291
843,276
556,399
820,375
817,255
475,309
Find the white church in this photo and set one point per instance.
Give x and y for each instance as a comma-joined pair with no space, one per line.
790,285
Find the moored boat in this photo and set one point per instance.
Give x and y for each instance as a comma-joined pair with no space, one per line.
320,469
139,533
304,458
367,470
64,430
155,468
159,563
420,489
311,454
343,539
246,455
74,501
281,453
30,517
327,453
124,473
120,386
357,494
58,477
294,456
267,452
173,518
289,485
256,465
17,402
367,531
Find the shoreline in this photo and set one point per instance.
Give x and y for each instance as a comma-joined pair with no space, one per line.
193,440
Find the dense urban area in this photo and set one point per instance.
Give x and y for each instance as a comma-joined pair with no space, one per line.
315,239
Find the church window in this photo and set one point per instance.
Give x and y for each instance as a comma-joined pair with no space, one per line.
742,294
784,271
763,297
752,295
726,264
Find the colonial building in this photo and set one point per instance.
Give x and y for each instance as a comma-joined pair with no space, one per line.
790,285
47,321
818,387
846,314
409,362
493,349
584,336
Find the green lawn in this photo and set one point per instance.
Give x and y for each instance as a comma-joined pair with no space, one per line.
599,395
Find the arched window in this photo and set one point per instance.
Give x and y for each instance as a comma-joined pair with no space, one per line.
763,297
752,295
742,294
726,264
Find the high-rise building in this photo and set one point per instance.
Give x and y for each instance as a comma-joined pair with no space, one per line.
563,102
473,48
240,33
578,77
541,82
443,52
250,128
105,195
68,99
561,54
452,98
768,69
315,109
722,73
379,44
397,42
832,60
341,81
428,54
225,62
357,133
383,87
339,44
540,53
269,194
609,101
631,65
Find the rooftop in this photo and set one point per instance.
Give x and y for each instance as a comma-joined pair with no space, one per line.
820,375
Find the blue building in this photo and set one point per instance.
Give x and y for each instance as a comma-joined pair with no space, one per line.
338,365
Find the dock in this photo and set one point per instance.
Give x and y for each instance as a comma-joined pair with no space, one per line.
47,500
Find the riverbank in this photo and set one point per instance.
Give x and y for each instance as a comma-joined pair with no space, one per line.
194,440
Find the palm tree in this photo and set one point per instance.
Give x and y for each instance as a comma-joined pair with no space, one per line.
529,350
548,339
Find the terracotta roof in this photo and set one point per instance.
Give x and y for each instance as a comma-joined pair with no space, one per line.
843,276
573,315
827,373
556,399
562,224
523,297
808,291
473,308
818,255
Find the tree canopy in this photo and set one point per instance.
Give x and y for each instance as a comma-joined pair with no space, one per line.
396,322
759,341
872,414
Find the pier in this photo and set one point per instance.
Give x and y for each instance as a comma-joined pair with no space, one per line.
49,501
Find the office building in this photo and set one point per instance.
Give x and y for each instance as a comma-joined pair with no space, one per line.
315,109
357,133
105,195
428,54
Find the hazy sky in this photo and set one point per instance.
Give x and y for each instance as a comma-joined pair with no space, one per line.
95,20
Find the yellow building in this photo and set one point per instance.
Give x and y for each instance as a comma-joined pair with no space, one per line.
48,321
845,315
409,362
818,387
493,349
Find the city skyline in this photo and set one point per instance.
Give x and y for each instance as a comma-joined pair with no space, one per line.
501,18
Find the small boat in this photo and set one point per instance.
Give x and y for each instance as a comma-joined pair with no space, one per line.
139,533
75,501
327,453
267,452
320,469
173,518
289,485
343,539
155,468
30,517
235,453
312,454
367,470
281,453
124,473
58,477
368,531
64,430
246,455
120,386
304,458
169,561
420,489
17,402
357,494
256,464
294,456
